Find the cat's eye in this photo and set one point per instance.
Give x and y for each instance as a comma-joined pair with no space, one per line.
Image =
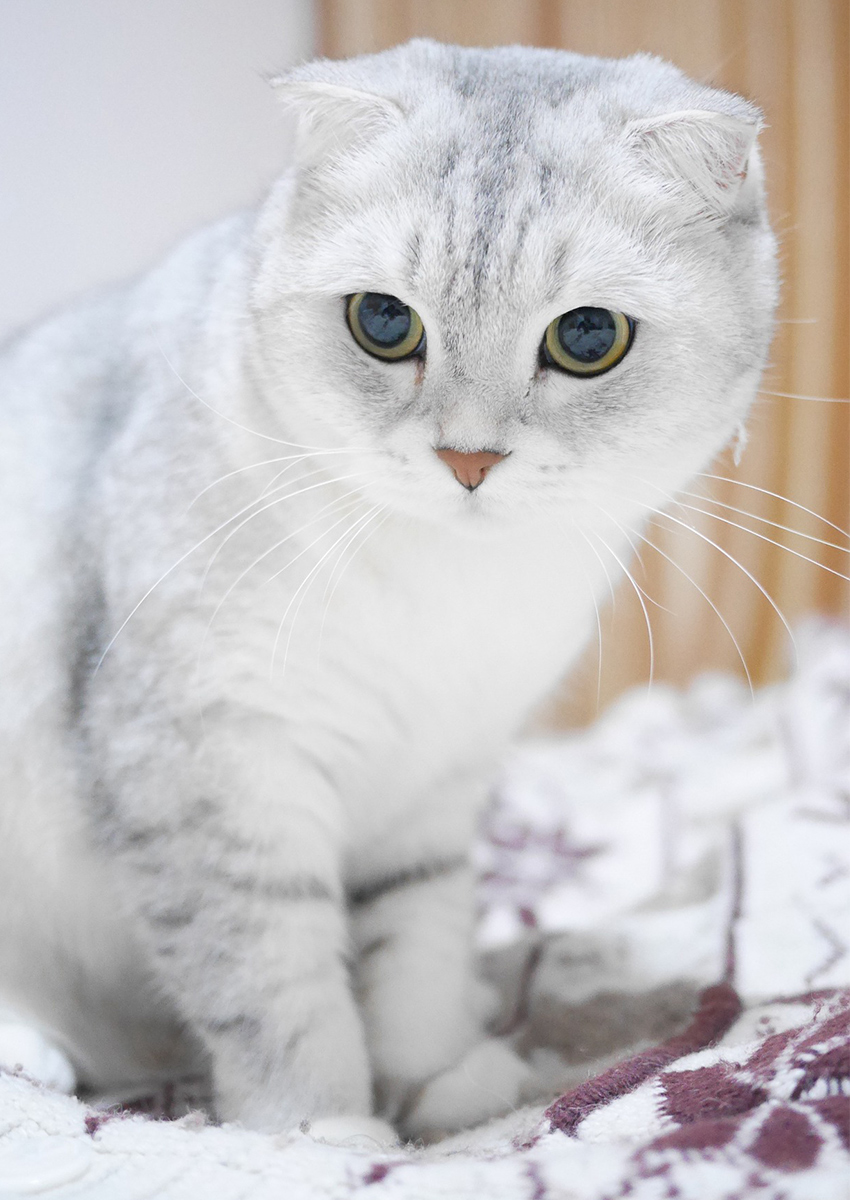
587,341
384,326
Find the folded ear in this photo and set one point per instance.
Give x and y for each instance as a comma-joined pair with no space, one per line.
709,152
332,117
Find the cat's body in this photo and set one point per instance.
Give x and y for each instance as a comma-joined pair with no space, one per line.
244,834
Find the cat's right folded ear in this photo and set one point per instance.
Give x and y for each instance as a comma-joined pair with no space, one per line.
334,118
712,154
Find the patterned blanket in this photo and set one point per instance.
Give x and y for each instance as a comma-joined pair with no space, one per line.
665,902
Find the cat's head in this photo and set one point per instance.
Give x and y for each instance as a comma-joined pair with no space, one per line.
560,262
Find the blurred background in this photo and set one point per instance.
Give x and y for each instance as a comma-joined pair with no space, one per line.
125,123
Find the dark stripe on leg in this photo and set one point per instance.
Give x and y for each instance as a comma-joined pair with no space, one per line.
367,893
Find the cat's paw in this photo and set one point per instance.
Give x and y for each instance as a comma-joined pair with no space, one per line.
487,1082
358,1133
24,1048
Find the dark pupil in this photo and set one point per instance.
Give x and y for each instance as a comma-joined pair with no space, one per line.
587,334
384,320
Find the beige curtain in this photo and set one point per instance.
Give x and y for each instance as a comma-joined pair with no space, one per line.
791,57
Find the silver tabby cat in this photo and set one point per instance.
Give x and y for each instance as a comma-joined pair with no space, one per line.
297,530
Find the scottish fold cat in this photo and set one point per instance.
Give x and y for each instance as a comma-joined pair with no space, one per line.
296,531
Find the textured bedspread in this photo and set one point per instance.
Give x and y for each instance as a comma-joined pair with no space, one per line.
666,913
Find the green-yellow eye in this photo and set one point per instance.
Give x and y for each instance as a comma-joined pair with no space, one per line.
384,326
588,341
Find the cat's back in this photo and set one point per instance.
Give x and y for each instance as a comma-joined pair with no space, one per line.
52,379
68,382
68,386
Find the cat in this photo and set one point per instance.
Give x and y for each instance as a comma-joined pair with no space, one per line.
299,528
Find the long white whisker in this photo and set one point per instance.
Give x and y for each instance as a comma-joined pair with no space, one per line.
266,462
663,513
708,601
762,537
625,534
304,584
797,396
326,597
639,594
744,512
274,483
218,529
596,612
274,486
332,576
741,567
610,582
265,507
776,496
322,514
224,417
346,502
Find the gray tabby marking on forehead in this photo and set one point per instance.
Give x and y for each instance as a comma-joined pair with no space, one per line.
413,258
507,80
516,145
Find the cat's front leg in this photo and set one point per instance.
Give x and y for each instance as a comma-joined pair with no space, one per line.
231,859
423,1006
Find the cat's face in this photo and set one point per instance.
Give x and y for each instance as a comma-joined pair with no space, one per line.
515,188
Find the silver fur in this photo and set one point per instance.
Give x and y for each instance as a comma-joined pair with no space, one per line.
238,781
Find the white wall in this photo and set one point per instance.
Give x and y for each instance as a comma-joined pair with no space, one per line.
125,123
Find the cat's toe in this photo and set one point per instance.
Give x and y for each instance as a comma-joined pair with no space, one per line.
360,1133
26,1049
487,1082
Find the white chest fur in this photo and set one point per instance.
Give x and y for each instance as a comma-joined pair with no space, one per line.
422,663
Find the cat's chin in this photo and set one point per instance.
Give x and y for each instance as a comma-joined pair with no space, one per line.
474,518
485,514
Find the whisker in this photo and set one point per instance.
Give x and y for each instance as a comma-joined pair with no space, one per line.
604,567
305,584
267,462
265,507
767,521
273,483
663,513
224,417
322,514
776,496
330,581
797,396
708,601
764,538
639,593
625,534
669,516
596,612
218,529
326,598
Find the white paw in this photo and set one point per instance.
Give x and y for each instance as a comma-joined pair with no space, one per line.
486,1083
356,1133
23,1047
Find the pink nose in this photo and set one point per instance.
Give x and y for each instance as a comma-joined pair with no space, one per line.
470,469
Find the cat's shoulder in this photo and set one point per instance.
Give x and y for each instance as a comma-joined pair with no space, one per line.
92,326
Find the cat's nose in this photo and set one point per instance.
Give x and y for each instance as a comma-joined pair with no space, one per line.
470,469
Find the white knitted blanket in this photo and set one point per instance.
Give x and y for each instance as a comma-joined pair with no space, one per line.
665,909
